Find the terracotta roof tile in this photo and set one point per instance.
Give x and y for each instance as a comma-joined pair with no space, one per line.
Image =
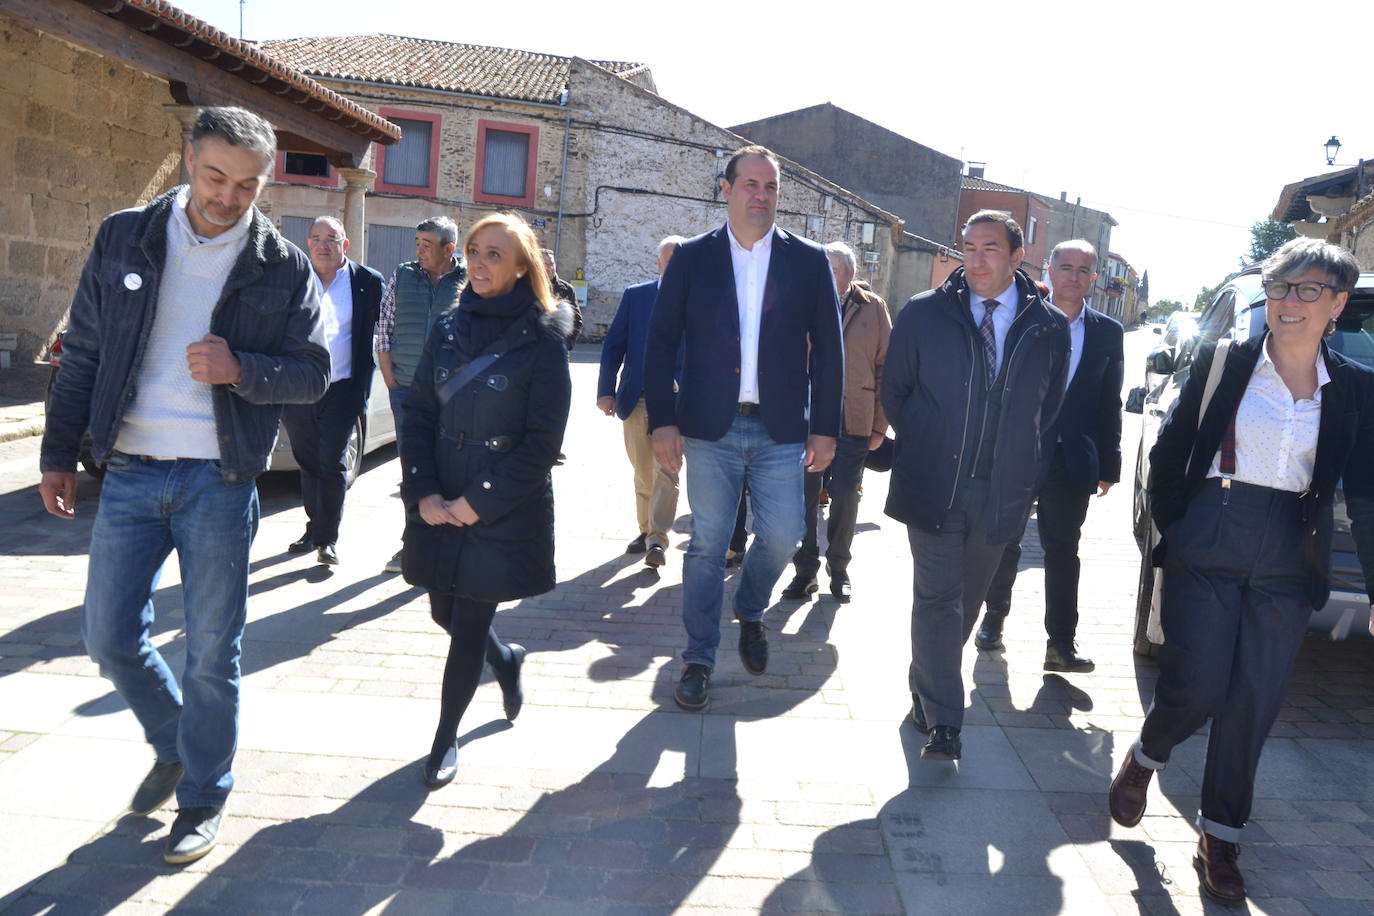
181,30
982,184
425,63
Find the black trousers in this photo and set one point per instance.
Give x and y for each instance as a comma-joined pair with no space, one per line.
1234,610
319,438
842,479
471,641
1060,511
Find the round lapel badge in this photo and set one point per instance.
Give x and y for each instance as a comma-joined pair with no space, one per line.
133,281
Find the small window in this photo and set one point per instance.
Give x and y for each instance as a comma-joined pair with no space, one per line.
1031,223
308,164
410,166
304,168
407,162
506,157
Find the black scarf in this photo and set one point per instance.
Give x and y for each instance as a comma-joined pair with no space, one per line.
481,321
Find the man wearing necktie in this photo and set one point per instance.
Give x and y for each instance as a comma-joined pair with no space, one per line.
973,382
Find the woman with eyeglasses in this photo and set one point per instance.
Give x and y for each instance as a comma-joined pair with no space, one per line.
1243,501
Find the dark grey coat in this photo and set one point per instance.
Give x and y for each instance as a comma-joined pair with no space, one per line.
493,442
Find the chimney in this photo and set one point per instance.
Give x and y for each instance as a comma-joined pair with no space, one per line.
1064,197
976,169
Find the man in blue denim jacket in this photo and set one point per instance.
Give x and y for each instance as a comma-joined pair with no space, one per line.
194,321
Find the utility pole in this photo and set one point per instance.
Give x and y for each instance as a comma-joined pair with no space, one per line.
241,3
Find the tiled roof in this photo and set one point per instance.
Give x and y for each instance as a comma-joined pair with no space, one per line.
424,63
982,184
240,59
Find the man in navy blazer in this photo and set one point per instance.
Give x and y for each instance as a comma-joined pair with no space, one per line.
755,310
622,353
351,298
1086,460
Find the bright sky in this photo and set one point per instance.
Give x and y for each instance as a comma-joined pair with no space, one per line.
1184,120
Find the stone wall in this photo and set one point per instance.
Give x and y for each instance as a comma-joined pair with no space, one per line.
638,169
83,137
642,168
456,173
898,174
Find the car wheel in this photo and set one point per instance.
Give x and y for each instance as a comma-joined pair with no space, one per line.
1144,590
353,453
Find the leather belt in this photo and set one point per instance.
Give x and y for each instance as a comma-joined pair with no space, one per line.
462,440
747,409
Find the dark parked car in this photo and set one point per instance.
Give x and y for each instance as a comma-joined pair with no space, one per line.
1237,311
373,429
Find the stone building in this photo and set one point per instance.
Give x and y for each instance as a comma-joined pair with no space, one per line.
1030,211
919,184
1045,221
1336,207
95,98
587,151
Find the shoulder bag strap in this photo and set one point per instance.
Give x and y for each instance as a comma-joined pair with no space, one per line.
1213,379
455,382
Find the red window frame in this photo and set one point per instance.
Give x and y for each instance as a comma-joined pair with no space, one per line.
532,131
282,175
430,190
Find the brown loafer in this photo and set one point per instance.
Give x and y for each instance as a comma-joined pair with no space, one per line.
1215,860
1126,799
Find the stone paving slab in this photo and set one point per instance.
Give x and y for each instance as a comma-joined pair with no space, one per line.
800,791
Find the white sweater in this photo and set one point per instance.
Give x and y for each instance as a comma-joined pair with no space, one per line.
172,415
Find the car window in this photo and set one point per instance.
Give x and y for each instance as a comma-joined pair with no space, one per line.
1354,335
1216,321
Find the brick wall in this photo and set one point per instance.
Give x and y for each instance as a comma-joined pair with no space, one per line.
83,137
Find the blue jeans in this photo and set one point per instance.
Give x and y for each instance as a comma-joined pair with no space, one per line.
147,508
717,472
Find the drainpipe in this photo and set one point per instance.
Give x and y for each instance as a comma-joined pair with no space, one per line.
562,173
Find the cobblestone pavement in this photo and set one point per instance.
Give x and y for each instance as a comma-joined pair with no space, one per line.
799,791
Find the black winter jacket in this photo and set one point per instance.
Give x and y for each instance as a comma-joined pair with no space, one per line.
493,442
268,311
1183,453
930,386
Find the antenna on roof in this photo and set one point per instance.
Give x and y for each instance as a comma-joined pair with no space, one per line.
241,3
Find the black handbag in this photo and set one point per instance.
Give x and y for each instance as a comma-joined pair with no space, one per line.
880,458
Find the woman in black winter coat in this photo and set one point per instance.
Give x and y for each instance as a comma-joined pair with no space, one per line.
483,426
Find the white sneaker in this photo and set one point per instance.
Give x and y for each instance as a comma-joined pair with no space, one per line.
394,564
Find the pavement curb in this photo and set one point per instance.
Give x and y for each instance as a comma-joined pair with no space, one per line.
21,429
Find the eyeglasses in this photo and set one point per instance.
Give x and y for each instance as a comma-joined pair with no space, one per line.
1308,290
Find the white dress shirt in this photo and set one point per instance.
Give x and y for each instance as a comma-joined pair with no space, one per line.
336,316
1075,345
1002,317
1276,436
751,275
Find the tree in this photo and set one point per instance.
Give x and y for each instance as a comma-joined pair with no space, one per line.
1266,237
1144,291
1208,293
1162,309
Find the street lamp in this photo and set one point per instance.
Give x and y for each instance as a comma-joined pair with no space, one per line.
1333,147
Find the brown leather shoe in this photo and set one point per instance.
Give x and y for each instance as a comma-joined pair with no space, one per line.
1216,866
1126,799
